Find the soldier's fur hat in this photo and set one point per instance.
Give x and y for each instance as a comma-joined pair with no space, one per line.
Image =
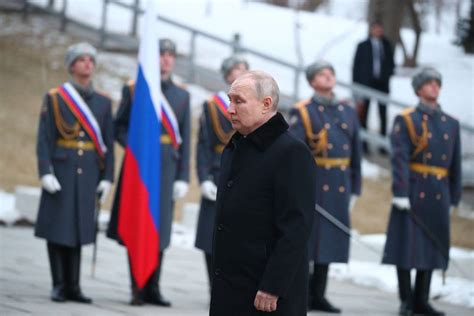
167,45
316,67
423,76
77,50
230,62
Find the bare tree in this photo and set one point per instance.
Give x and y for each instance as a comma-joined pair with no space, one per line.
391,13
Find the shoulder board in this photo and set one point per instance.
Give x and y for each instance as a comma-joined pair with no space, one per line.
407,111
130,83
181,85
103,93
302,103
53,91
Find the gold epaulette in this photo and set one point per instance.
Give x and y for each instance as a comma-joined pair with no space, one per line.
216,125
181,85
318,142
419,141
53,91
131,86
302,103
103,93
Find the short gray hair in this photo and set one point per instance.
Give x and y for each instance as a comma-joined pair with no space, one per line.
264,85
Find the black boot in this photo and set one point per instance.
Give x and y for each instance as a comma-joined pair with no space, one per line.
137,293
152,288
55,254
318,300
422,292
73,290
404,291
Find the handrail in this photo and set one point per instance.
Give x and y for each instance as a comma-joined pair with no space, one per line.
237,47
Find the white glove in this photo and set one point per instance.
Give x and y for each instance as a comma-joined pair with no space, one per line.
50,183
403,203
352,202
180,188
103,189
209,190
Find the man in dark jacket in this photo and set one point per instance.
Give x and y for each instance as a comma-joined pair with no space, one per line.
75,162
426,168
373,66
265,206
215,131
174,166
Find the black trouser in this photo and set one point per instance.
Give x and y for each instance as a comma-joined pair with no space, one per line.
154,280
318,282
363,108
65,264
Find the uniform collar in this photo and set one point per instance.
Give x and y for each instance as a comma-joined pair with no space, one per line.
320,100
84,92
263,136
165,84
428,109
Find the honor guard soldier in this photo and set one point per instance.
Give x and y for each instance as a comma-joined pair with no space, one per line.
331,130
215,131
174,165
75,162
426,167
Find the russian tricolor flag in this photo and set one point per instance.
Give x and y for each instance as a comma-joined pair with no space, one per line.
139,214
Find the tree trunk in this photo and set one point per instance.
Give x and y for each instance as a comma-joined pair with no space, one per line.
390,13
468,42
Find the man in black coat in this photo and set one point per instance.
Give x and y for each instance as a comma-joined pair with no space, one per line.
265,206
75,163
373,66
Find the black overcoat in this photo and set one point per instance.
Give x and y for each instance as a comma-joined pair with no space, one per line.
362,70
265,208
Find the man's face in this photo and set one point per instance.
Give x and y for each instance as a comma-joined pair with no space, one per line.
167,61
246,111
83,66
235,72
324,80
376,30
429,91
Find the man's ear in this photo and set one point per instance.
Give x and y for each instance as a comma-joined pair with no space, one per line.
267,104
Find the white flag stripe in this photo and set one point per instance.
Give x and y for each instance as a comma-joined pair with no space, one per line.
87,112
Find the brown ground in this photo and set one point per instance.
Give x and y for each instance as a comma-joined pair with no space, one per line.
31,62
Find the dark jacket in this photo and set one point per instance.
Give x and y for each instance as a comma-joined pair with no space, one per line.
67,217
174,163
214,133
334,185
430,195
265,208
362,70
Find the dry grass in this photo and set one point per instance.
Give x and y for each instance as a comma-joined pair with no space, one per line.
31,62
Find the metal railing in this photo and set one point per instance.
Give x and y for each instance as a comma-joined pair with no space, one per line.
234,45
